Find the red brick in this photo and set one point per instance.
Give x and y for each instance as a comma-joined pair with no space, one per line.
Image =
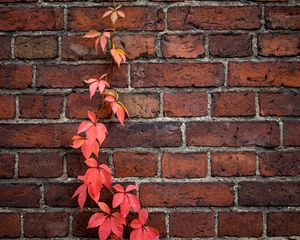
10,225
264,74
197,224
269,194
232,134
74,47
278,44
37,135
279,104
76,165
137,45
20,195
36,47
291,133
231,164
186,194
177,74
7,165
184,165
79,111
270,1
15,76
141,105
282,17
55,224
62,76
185,104
5,47
224,45
60,195
182,46
230,224
134,164
40,165
283,224
40,106
159,134
279,164
214,18
137,18
31,19
79,225
233,104
7,106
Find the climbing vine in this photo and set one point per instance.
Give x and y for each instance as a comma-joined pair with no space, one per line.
110,221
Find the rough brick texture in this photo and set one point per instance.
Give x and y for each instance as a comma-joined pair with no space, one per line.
212,89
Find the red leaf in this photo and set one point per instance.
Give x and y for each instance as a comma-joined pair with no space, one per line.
92,117
85,125
118,187
118,199
130,188
103,206
91,162
143,216
134,202
96,220
81,192
92,34
104,230
116,227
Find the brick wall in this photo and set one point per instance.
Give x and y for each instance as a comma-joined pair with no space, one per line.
213,139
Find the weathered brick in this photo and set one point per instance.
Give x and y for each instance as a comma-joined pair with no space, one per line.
132,164
230,224
7,106
31,19
233,104
7,165
279,163
269,194
214,18
76,165
40,106
229,164
278,44
282,17
182,46
291,133
177,74
32,47
185,104
197,224
159,134
60,195
20,195
5,47
40,165
17,1
79,225
75,47
264,74
62,76
186,194
10,225
184,165
137,18
15,76
279,104
52,224
37,135
75,110
137,45
283,224
225,45
233,134
141,105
